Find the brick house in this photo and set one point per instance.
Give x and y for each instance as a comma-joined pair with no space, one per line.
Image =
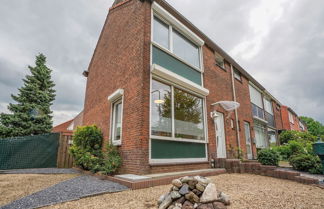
151,84
291,120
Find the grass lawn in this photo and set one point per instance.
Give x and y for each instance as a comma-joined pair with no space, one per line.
246,191
15,186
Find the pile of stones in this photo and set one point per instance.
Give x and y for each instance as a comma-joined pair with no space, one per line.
193,193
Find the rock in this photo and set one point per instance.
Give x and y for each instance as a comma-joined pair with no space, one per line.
219,205
202,180
166,202
161,198
177,183
181,200
187,205
178,206
224,198
192,197
192,184
184,189
200,187
196,205
175,195
186,179
197,192
210,194
206,206
171,207
174,188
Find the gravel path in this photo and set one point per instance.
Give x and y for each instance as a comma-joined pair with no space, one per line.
73,189
40,171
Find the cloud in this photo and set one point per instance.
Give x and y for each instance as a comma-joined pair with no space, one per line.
279,42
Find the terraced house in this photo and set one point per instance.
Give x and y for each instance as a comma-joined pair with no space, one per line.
151,87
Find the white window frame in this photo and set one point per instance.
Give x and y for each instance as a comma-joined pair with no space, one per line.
116,98
173,138
167,18
265,100
178,160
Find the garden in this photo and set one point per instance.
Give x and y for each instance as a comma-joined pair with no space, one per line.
296,149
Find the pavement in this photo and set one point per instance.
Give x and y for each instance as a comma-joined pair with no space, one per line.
72,189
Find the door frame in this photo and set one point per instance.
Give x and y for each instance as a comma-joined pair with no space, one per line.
224,134
250,157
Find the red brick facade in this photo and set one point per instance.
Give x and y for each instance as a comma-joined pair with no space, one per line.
290,125
122,61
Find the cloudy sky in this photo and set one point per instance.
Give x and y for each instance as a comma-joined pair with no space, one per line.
279,42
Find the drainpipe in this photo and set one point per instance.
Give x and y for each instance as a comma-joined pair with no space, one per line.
236,115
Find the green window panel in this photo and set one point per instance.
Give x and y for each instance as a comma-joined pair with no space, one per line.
174,65
163,149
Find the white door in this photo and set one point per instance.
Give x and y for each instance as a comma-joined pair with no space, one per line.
248,140
220,135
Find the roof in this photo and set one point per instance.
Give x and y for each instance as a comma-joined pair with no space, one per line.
62,127
211,44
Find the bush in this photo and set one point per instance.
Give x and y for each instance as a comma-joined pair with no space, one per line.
287,136
88,154
303,162
268,157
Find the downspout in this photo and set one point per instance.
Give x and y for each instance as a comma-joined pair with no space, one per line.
236,115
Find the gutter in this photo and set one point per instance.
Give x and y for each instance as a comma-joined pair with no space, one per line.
236,115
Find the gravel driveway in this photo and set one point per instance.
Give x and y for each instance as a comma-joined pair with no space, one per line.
246,191
73,189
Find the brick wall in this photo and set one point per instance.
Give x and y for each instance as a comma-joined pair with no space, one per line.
121,60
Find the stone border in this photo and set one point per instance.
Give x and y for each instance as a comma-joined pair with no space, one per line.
236,166
156,181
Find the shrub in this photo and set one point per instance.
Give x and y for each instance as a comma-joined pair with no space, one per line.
303,162
88,154
287,136
111,161
268,157
284,152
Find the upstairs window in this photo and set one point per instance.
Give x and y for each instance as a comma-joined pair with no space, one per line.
161,33
168,37
237,74
268,106
256,97
219,60
184,49
291,117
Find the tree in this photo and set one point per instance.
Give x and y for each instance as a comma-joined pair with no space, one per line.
31,113
314,127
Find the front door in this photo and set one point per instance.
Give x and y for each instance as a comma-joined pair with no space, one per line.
248,140
220,135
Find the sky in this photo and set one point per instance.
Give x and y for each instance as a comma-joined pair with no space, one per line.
279,42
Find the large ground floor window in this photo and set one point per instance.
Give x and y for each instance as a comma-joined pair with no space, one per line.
261,139
175,113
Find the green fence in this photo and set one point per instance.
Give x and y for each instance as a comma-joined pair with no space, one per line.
38,151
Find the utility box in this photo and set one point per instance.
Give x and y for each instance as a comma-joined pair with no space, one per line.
318,148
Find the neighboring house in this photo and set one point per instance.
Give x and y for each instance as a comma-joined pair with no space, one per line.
291,120
71,125
151,84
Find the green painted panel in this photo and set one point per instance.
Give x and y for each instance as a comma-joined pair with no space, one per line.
167,61
163,149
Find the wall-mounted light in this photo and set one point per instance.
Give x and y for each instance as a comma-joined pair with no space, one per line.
159,101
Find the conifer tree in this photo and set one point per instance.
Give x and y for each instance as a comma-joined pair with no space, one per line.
31,113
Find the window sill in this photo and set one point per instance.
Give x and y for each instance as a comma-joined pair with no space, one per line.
116,143
189,162
221,67
179,139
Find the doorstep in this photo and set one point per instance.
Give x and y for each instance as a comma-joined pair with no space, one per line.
145,181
